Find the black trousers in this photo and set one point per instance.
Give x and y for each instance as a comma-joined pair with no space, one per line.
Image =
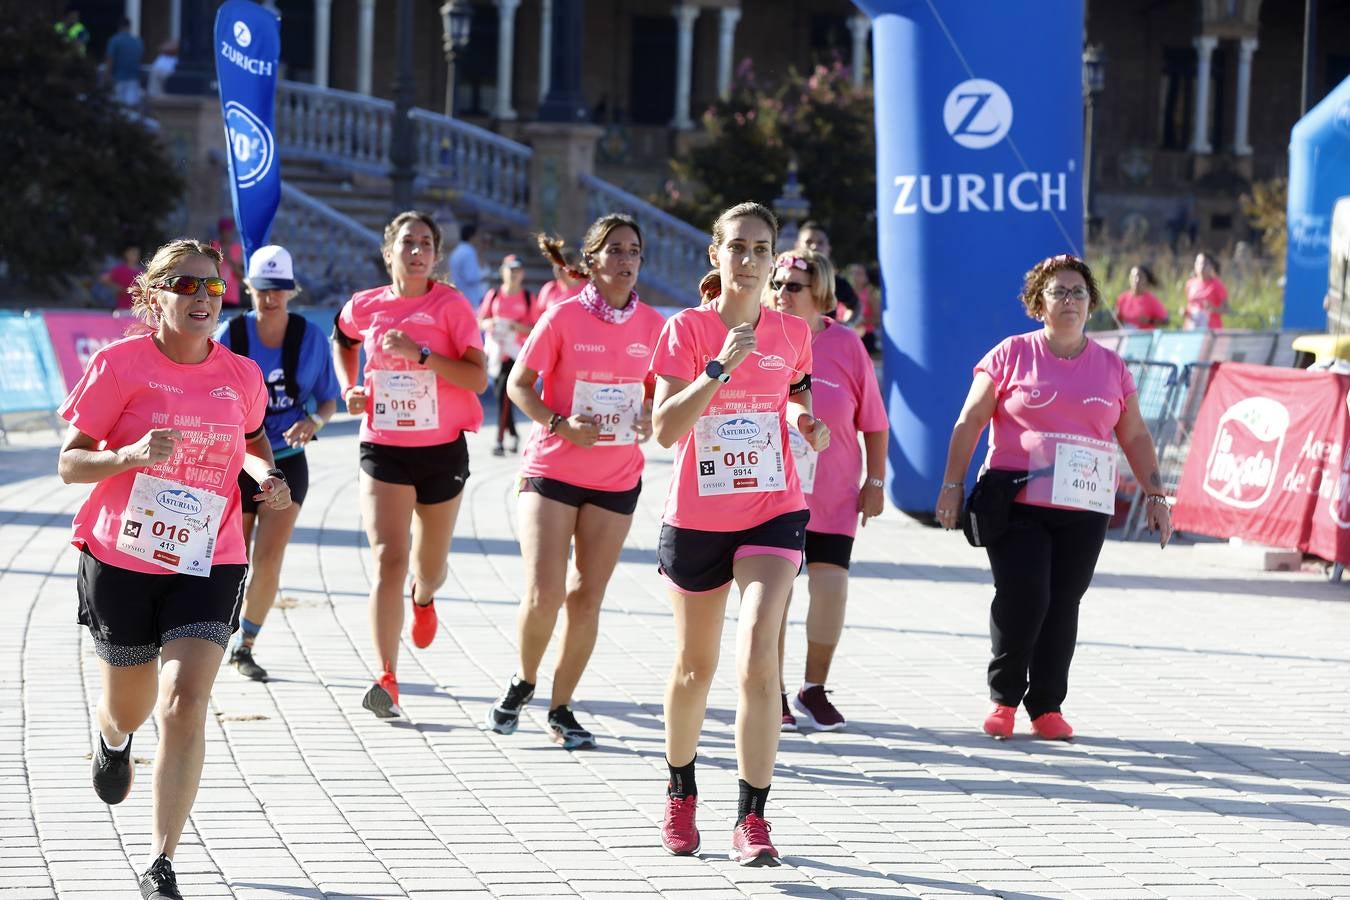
506,410
1042,567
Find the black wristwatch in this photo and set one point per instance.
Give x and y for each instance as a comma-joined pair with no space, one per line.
423,355
715,369
277,474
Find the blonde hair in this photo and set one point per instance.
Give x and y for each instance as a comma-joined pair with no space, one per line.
821,272
710,287
165,260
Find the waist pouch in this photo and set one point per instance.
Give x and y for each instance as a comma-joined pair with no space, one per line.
985,517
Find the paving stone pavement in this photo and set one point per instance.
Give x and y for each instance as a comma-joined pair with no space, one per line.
1212,707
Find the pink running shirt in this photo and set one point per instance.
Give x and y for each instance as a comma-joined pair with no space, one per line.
442,320
554,293
130,387
513,307
689,340
1140,310
845,395
1039,393
569,344
1204,297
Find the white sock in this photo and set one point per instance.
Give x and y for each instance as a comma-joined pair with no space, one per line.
807,685
120,747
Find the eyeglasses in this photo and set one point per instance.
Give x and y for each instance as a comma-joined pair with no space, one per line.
1079,293
792,287
188,285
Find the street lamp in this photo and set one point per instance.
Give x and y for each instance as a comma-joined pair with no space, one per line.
791,207
1094,82
456,20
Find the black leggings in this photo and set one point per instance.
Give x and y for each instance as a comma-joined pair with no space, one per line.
1042,567
506,410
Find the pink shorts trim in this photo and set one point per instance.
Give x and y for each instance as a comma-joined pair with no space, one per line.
792,556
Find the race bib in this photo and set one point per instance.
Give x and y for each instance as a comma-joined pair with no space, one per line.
1084,471
614,407
171,525
805,458
404,400
738,453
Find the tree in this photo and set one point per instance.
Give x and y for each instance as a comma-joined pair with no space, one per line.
81,177
822,121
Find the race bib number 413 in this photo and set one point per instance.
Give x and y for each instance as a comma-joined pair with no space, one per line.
739,453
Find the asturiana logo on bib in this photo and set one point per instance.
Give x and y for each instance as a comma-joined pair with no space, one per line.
738,430
1240,471
225,392
400,383
638,350
179,501
772,363
609,396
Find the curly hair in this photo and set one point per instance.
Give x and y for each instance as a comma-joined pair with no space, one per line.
164,261
820,270
710,287
1033,285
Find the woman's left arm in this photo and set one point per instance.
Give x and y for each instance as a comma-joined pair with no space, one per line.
257,461
1137,445
798,411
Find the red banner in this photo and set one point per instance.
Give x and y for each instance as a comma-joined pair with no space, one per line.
1268,460
77,335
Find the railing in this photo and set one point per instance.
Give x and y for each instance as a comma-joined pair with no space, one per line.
675,253
334,126
334,254
491,172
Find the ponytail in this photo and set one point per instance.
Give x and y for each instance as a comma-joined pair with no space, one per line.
553,248
710,288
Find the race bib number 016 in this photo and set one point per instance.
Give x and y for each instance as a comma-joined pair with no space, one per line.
404,400
739,453
613,407
171,525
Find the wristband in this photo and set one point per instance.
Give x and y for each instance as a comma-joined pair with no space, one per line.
554,422
1156,498
318,422
948,485
277,474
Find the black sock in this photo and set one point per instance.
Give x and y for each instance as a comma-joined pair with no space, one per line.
682,782
752,800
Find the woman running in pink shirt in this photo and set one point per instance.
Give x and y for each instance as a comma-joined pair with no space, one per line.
424,371
582,471
731,376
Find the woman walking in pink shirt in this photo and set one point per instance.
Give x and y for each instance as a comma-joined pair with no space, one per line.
1056,404
732,375
844,395
582,470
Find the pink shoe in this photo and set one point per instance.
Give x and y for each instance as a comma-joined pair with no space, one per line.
1051,727
999,723
424,620
679,834
750,843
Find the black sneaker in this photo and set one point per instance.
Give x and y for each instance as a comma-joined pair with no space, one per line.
159,882
505,716
567,731
242,659
113,772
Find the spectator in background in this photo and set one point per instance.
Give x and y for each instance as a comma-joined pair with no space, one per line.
1139,307
162,68
121,276
506,316
869,300
1206,296
812,236
233,268
123,64
563,286
73,31
466,272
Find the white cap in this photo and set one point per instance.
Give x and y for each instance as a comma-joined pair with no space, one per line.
270,269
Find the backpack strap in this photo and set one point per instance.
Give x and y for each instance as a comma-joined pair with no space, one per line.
290,353
238,336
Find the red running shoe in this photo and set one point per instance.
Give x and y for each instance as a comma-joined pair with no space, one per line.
382,698
1051,727
679,834
424,619
999,723
750,844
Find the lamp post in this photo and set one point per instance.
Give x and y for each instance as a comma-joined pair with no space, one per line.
1094,82
791,207
456,20
402,153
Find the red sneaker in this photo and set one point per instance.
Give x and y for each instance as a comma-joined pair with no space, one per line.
382,698
424,620
750,844
1051,727
679,834
999,723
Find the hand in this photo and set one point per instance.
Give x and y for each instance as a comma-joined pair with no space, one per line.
153,448
580,430
400,345
355,398
871,502
948,509
275,492
642,427
739,343
301,433
1159,517
816,432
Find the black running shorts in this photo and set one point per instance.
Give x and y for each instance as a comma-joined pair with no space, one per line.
700,561
835,549
131,615
296,468
621,502
438,471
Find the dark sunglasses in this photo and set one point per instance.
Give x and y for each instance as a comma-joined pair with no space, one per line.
188,285
792,287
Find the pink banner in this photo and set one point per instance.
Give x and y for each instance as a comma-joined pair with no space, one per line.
77,335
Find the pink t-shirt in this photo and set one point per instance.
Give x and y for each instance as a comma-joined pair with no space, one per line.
570,345
1204,296
688,341
123,275
844,394
555,292
1142,310
442,320
503,342
1039,393
130,387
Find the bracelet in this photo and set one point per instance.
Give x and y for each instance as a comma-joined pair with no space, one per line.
877,482
948,485
554,422
318,421
1156,498
277,474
